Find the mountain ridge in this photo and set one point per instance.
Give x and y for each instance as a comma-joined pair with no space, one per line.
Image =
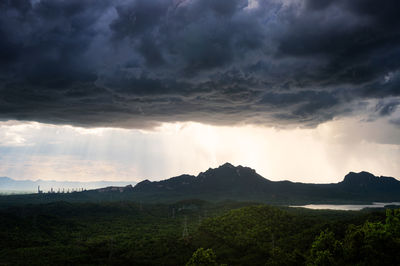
350,176
244,183
228,182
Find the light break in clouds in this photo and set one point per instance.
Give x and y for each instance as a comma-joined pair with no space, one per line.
323,154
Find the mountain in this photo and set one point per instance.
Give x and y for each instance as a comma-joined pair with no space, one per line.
368,180
224,179
228,182
8,185
364,183
243,183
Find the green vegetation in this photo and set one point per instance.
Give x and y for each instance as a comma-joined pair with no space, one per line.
373,243
203,257
230,233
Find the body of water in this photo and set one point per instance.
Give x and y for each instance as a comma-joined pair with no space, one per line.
346,207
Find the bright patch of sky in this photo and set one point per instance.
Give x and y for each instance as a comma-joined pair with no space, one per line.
30,150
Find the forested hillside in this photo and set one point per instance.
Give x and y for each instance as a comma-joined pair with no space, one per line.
231,233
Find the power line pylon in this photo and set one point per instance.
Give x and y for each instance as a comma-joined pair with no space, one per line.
185,232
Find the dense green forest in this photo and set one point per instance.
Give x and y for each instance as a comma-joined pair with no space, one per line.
195,232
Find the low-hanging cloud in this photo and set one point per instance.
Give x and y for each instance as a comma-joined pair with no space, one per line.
135,63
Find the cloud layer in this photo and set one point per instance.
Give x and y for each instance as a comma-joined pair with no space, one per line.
135,63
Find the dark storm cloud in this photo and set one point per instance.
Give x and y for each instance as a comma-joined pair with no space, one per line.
134,63
385,108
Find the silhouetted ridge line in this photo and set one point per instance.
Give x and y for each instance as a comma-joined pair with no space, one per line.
243,183
228,182
365,178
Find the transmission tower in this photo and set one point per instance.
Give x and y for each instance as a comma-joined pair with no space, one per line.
185,232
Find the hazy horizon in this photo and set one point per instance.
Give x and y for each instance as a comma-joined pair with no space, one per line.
125,182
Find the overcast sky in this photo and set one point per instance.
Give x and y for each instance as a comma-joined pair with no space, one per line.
133,89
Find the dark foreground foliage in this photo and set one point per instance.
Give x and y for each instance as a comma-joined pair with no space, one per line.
194,232
373,243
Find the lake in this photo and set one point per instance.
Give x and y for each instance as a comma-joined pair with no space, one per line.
346,207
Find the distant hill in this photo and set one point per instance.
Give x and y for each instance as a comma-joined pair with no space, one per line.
243,183
229,182
224,179
8,185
